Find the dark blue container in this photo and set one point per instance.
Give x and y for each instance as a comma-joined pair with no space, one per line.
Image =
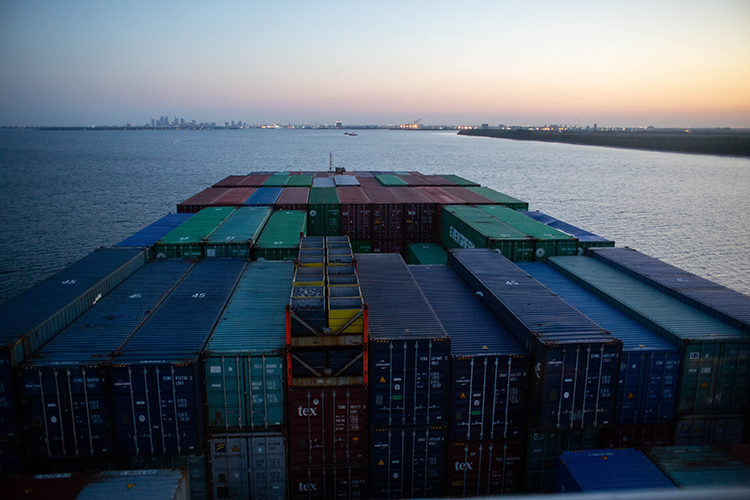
409,349
575,362
66,400
41,312
488,368
607,470
149,235
585,238
407,462
156,378
649,364
264,196
723,303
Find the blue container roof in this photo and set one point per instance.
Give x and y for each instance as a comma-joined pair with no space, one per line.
255,318
398,310
635,336
264,196
543,314
28,310
473,329
608,470
104,328
581,234
179,329
149,235
155,484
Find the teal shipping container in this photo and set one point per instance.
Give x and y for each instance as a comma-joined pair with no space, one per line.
715,368
281,237
163,484
548,241
243,361
236,236
324,212
700,466
187,240
195,465
426,254
501,198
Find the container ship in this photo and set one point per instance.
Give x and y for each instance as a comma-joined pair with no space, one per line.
330,335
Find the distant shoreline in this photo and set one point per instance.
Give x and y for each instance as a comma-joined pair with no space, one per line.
708,143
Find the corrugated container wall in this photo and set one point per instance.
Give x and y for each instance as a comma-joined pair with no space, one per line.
356,213
714,430
243,362
41,312
387,214
62,486
649,364
324,212
715,300
409,349
542,449
339,482
126,484
420,216
485,467
700,466
489,370
638,436
716,357
607,470
575,362
66,398
156,379
281,236
236,236
194,464
250,465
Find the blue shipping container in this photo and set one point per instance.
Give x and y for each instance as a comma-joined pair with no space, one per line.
576,363
66,400
489,368
649,364
713,299
149,235
162,484
407,462
607,470
585,238
264,196
409,349
41,312
156,378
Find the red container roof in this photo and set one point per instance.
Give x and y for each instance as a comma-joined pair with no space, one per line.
440,195
352,195
408,194
233,196
255,180
469,196
293,196
205,197
230,181
381,195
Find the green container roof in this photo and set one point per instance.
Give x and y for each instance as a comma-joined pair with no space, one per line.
254,321
300,180
428,254
277,180
484,223
244,225
283,230
671,318
495,195
323,196
459,181
391,180
199,226
525,224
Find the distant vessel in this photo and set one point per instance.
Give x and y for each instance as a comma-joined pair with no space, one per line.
350,133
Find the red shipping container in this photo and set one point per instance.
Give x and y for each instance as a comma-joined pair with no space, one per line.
388,246
198,202
233,197
293,198
63,486
638,436
485,468
387,214
254,180
328,425
330,482
414,180
437,180
356,213
229,181
741,451
468,196
420,216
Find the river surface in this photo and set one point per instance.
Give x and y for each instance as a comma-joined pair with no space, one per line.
65,193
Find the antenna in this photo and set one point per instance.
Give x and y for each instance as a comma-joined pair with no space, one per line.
330,162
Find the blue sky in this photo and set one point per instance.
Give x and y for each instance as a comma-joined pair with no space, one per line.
666,63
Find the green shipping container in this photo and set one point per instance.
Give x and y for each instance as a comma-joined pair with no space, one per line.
362,246
236,236
243,362
277,180
324,212
391,180
499,197
426,254
548,241
280,239
715,366
187,240
459,181
300,180
464,226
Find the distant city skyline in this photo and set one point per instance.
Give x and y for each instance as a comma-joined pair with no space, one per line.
662,64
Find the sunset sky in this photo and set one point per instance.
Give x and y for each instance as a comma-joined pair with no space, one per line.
663,63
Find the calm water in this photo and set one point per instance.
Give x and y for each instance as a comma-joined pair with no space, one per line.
64,193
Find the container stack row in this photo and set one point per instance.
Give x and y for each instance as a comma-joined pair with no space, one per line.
326,378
